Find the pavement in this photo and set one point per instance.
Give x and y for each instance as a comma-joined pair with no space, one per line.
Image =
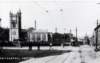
82,54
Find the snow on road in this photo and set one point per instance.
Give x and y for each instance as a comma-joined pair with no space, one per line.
60,59
89,55
85,54
39,60
73,58
63,58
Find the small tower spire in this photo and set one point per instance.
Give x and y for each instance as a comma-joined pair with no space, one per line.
70,30
56,30
97,22
35,25
76,35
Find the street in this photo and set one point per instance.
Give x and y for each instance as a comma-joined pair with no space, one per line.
82,54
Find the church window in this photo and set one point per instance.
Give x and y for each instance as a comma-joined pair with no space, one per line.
13,24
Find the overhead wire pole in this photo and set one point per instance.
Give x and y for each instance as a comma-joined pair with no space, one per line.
70,35
64,36
76,37
76,34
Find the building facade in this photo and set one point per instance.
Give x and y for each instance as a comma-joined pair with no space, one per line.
37,35
15,26
97,36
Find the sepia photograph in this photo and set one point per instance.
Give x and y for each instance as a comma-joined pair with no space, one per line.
49,31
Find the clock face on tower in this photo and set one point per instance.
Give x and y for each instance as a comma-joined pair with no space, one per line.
14,22
14,18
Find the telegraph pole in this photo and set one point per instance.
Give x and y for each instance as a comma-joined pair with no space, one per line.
64,40
76,34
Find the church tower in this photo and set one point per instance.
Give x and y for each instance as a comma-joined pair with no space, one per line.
15,26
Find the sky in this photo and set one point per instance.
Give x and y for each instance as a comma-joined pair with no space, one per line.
50,14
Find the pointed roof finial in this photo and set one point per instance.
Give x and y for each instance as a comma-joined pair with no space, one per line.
35,24
97,22
19,10
56,30
70,30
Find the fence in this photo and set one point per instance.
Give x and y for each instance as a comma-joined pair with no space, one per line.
12,59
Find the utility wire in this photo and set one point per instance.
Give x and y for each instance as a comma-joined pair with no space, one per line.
36,2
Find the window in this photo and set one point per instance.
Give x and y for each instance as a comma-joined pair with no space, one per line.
13,18
14,32
14,24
